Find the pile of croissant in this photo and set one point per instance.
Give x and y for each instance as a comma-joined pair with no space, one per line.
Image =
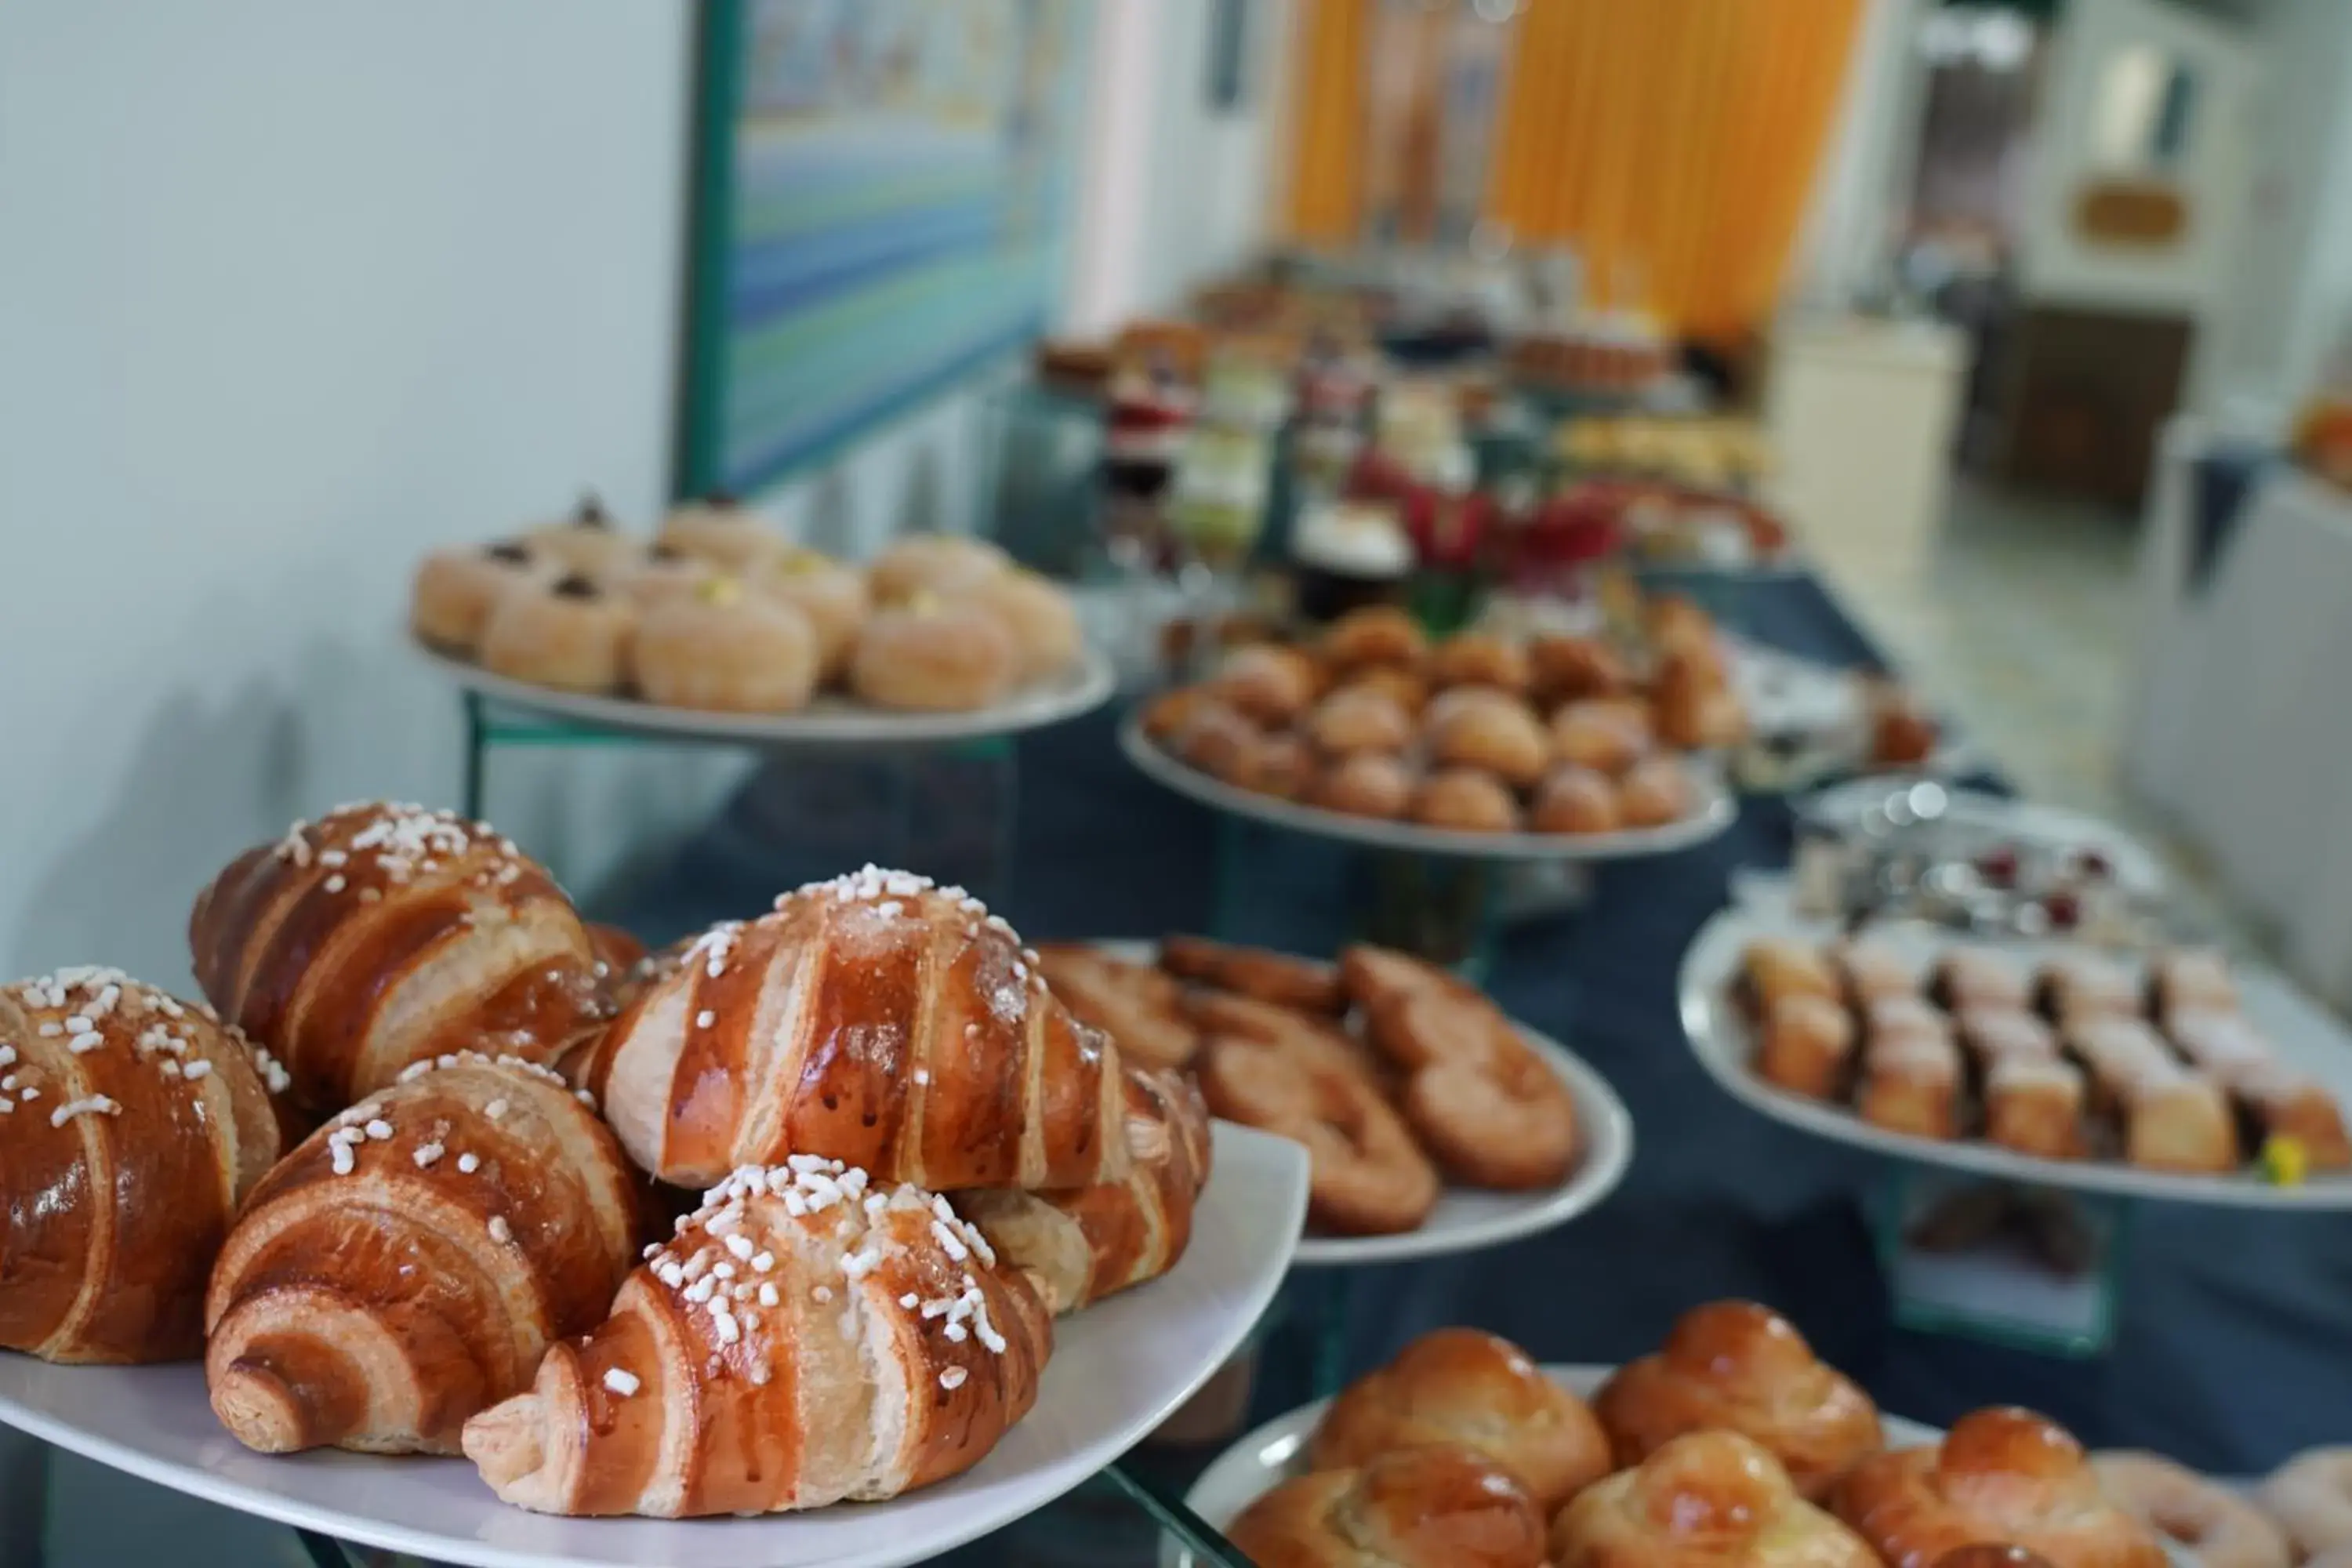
914,1158
1395,1076
1731,1447
1482,733
719,611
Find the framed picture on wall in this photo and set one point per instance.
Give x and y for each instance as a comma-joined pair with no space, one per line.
881,205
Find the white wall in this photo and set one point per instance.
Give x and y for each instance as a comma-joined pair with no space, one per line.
1862,186
2292,291
1175,192
289,290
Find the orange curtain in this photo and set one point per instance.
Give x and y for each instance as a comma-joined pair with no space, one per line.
1326,192
1672,142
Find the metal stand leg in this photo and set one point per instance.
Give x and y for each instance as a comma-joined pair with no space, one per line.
325,1551
1331,1333
24,1498
476,742
1209,1549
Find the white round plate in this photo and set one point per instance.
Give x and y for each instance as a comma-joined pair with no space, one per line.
1846,805
1716,812
1467,1219
830,719
1275,1453
2304,1036
1117,1371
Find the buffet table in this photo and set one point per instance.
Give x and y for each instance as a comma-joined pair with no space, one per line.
2229,1355
2246,566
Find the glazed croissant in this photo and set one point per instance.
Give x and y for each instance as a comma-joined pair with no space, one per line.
806,1337
380,935
2002,1474
132,1126
875,1019
1409,1508
1470,1390
1082,1245
410,1263
1706,1499
1743,1368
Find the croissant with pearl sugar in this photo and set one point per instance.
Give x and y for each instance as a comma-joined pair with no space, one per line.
875,1019
132,1126
808,1336
409,1264
382,935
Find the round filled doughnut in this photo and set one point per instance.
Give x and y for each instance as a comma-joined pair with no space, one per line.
1043,621
570,634
722,650
2221,1529
1365,784
2311,1498
830,595
929,656
934,563
457,590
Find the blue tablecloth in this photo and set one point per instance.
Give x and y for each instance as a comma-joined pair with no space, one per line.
2234,1341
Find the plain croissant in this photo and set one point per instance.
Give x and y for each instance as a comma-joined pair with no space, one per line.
382,935
1082,1245
806,1337
132,1125
410,1263
877,1020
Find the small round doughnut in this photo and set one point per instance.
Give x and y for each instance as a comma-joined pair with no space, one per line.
1366,784
1653,792
1479,659
1605,734
1223,744
1407,686
1269,683
2311,1496
1286,767
1567,669
1467,800
1360,717
2221,1529
1375,634
1573,799
1479,726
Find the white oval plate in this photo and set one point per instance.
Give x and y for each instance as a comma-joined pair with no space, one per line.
1117,1371
1845,805
1468,1219
1275,1453
2306,1037
830,719
1716,810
